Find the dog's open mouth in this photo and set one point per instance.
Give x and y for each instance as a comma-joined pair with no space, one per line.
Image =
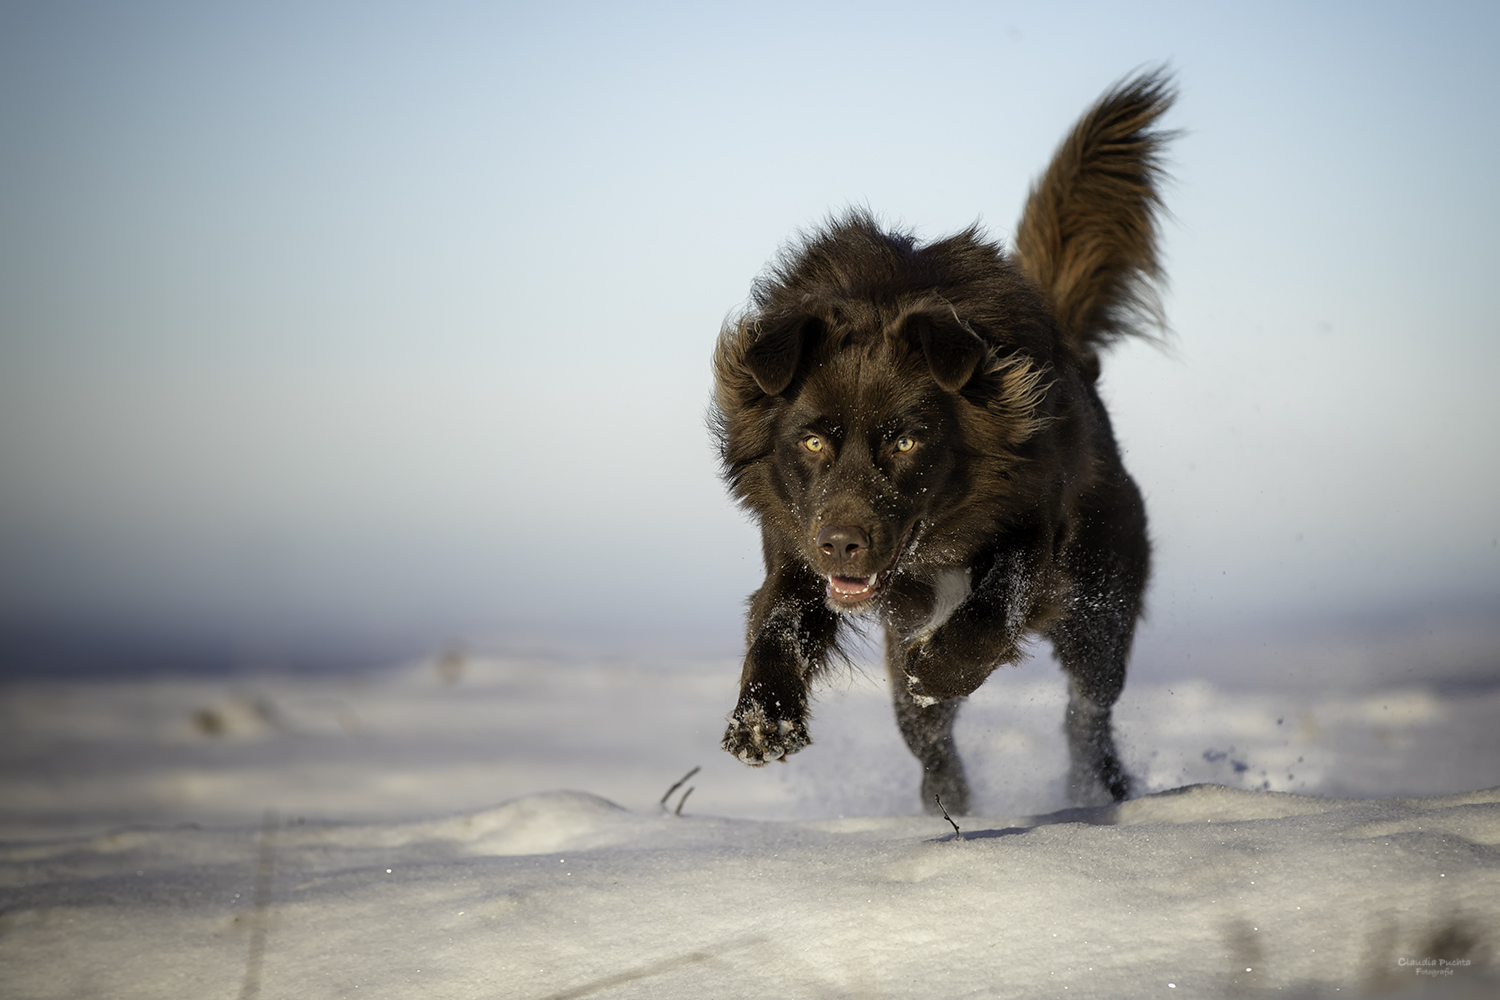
852,591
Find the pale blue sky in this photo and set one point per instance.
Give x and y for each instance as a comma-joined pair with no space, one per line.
392,321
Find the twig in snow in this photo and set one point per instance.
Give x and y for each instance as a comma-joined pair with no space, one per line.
957,833
679,784
684,798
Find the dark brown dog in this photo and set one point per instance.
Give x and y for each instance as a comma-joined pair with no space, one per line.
916,428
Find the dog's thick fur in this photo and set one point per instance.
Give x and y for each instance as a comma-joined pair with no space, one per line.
917,430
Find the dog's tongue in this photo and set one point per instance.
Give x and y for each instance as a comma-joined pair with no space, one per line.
849,586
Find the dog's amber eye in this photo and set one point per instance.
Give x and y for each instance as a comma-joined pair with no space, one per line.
812,443
905,443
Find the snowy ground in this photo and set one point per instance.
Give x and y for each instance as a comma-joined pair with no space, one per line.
491,827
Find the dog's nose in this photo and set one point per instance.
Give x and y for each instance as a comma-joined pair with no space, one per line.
843,542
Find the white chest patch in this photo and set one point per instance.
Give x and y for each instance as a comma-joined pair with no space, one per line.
950,587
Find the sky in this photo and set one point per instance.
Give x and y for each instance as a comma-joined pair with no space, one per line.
356,329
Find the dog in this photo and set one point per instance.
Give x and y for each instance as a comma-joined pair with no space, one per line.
916,429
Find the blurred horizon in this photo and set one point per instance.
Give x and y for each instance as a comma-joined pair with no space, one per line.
333,334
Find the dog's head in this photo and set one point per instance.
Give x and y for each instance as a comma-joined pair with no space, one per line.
867,436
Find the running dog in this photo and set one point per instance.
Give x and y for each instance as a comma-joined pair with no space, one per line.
916,428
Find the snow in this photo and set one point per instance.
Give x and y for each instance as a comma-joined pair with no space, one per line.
494,827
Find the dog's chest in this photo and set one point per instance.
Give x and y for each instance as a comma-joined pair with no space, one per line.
919,608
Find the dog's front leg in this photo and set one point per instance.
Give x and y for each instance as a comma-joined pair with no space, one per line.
984,631
790,632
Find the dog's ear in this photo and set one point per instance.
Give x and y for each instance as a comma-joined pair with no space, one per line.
953,350
773,358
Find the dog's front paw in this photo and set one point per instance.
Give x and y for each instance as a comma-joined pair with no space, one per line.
934,674
755,736
914,686
919,664
919,693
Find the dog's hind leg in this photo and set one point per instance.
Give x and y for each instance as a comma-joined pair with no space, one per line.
1093,643
928,732
1095,763
1092,640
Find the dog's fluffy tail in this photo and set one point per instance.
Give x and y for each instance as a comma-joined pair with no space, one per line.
1088,234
